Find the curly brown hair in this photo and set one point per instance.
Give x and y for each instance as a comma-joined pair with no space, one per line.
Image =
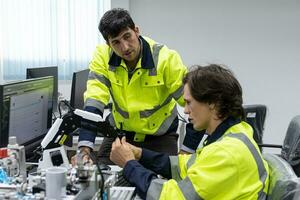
216,84
115,21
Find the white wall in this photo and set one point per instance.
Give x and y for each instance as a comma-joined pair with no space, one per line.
120,4
258,40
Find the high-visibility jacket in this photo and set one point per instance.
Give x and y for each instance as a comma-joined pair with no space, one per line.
146,103
230,168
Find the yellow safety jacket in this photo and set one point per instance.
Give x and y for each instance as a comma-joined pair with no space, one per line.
230,168
146,103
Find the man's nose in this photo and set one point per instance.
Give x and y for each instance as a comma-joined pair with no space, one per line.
124,46
185,110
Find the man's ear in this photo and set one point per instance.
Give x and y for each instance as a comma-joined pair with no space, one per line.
211,106
137,30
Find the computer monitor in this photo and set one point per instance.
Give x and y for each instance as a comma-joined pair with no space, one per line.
78,88
26,111
38,72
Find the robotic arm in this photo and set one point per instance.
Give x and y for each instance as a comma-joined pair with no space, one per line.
61,131
61,134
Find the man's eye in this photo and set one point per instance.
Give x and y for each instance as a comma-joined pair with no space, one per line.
126,37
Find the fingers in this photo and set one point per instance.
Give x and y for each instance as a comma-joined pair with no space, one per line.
73,160
123,140
115,143
119,142
85,158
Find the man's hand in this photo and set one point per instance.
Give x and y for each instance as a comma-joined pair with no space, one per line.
137,151
85,152
121,152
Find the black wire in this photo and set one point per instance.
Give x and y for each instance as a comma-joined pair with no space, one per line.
67,104
37,153
92,154
101,182
54,117
59,110
182,118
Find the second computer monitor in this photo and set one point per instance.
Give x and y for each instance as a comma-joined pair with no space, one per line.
78,88
26,111
38,72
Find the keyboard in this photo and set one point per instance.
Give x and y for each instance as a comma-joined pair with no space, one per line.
122,193
121,181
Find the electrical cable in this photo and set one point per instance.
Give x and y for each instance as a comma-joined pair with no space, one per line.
101,183
181,118
54,117
65,102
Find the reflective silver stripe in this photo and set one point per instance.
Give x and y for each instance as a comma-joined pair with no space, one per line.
154,189
178,93
152,72
117,107
175,95
99,77
175,170
262,195
112,68
147,113
259,162
93,102
167,123
111,120
156,49
191,160
163,127
188,189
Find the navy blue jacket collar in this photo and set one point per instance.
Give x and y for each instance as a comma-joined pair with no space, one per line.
147,59
221,129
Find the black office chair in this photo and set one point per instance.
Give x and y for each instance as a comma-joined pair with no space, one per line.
283,182
291,145
256,116
290,150
284,169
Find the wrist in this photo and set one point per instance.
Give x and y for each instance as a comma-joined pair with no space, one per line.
85,150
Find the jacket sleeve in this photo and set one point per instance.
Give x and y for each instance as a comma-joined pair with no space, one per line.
174,73
215,170
141,173
97,94
86,137
157,187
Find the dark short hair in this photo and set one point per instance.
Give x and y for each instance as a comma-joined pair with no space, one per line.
114,21
216,84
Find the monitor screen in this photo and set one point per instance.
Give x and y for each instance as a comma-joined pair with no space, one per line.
38,72
26,110
78,88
